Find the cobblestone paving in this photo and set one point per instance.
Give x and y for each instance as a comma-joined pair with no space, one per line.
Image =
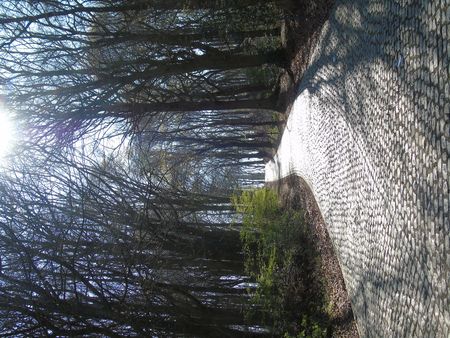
369,132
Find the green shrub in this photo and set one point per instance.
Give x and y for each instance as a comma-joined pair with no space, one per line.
309,328
279,255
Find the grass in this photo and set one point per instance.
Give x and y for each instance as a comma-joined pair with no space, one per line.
280,256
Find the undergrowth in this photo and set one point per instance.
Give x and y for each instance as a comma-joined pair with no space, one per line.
280,256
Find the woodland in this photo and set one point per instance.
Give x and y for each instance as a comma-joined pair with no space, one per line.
135,122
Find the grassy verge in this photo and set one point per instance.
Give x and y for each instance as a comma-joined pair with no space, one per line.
280,256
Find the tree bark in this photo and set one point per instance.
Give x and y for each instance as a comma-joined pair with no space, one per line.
136,109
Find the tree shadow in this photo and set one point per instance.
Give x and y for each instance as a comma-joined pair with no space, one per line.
382,67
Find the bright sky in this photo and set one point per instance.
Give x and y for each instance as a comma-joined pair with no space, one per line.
6,132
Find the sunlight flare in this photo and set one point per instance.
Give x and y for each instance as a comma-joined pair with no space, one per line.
6,132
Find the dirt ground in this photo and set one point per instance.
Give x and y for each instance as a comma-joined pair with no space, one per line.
300,31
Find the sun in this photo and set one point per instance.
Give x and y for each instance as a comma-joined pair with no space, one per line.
6,132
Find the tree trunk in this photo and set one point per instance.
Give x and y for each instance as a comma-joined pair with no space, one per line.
136,109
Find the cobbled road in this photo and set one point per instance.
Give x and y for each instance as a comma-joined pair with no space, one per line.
369,132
